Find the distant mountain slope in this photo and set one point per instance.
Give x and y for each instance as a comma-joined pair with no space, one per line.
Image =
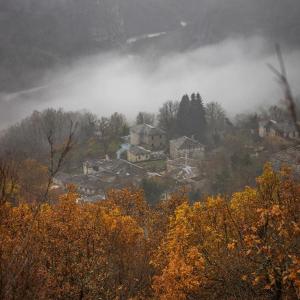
36,35
213,20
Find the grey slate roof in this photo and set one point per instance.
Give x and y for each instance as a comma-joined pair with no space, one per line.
289,157
112,174
137,150
184,142
118,167
146,129
283,127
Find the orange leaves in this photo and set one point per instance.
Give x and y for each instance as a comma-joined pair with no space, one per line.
130,202
75,249
244,277
231,246
180,276
245,248
251,241
275,211
256,280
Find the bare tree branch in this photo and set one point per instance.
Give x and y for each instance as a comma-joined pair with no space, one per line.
8,180
281,75
55,164
19,255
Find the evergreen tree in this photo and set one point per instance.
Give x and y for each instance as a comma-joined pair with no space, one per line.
197,120
183,124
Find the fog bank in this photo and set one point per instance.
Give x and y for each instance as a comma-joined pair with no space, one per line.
233,72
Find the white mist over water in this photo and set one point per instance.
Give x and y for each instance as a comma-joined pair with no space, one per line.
233,72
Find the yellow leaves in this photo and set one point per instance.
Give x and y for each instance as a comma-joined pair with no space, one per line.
268,176
177,278
231,246
252,240
268,287
195,258
296,227
276,211
73,245
197,206
294,275
121,248
182,211
214,202
244,277
256,280
242,200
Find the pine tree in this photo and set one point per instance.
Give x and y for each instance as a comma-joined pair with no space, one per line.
183,124
197,121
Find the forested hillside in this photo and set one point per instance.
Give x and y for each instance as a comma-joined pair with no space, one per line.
218,19
38,35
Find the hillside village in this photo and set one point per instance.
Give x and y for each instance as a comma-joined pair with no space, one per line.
148,154
189,144
149,150
180,158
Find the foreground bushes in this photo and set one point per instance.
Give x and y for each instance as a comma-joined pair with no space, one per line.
243,248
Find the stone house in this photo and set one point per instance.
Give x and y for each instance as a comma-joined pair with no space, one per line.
148,136
99,176
182,169
186,147
289,157
114,172
272,128
86,185
91,167
138,154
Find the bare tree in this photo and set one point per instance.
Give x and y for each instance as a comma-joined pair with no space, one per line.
281,75
145,118
167,117
57,154
8,180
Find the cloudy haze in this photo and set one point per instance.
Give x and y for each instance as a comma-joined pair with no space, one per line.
233,72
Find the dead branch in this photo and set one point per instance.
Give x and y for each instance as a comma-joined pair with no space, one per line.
54,167
55,163
8,180
281,75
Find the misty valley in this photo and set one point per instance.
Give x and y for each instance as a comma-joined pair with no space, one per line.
149,149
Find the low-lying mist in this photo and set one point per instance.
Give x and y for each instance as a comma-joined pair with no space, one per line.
233,72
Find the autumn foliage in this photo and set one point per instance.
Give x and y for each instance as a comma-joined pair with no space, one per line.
246,247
